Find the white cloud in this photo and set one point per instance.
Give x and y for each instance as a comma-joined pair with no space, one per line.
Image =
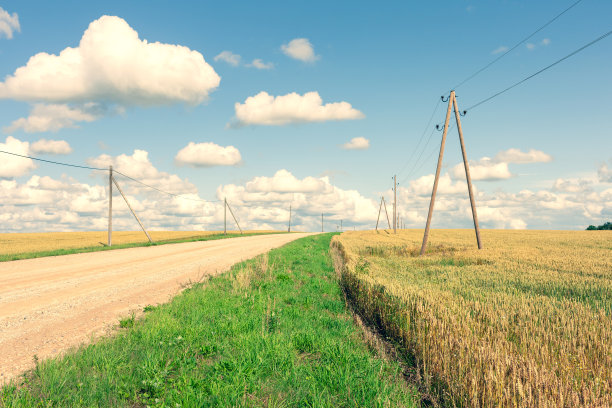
229,57
499,50
15,166
207,155
285,182
530,46
264,201
519,157
51,147
357,143
300,49
572,185
259,64
604,173
53,117
112,65
484,169
265,109
8,23
139,166
545,42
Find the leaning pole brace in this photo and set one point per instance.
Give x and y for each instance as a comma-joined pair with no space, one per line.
379,209
385,205
233,216
130,207
452,102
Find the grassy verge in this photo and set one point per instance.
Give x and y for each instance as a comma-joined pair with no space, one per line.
56,252
272,332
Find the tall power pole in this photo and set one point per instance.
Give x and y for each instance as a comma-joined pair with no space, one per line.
321,222
395,204
225,216
110,205
289,229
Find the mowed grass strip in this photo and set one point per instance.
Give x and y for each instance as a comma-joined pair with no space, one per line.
273,332
15,246
524,322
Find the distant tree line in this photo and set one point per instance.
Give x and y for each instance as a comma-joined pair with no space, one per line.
605,226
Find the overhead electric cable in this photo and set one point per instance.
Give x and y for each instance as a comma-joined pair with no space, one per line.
100,169
165,192
421,139
53,162
516,45
539,72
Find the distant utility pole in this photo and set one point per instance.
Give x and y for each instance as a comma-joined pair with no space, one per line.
452,102
395,204
289,229
321,222
340,225
225,216
110,205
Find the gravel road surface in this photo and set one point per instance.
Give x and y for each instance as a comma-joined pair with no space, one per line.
48,305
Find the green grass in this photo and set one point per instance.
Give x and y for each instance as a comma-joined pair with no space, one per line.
40,254
272,332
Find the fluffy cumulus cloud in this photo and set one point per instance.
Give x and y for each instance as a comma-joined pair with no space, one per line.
207,155
9,23
519,157
497,168
572,185
605,173
264,202
139,166
357,143
53,117
229,57
15,166
51,147
484,169
111,65
259,64
285,182
300,49
265,109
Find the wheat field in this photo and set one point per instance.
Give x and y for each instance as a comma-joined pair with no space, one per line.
19,243
527,321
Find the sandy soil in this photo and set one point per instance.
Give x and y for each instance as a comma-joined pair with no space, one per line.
48,305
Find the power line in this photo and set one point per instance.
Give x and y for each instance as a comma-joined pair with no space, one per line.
100,169
53,162
166,192
539,72
516,45
421,139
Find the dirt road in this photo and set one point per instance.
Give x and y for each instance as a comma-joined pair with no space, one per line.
48,305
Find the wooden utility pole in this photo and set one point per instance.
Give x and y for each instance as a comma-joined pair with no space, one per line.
395,204
452,102
225,216
385,205
130,207
321,222
467,173
110,205
289,229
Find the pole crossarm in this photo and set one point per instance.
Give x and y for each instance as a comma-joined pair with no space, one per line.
452,103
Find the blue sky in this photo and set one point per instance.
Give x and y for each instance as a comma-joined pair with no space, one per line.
550,154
